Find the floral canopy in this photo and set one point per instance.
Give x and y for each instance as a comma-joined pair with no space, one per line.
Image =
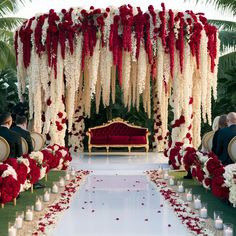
77,55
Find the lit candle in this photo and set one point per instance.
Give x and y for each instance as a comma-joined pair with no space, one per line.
61,182
218,223
12,231
166,176
19,222
54,188
159,171
67,176
46,197
197,203
189,196
29,215
72,172
203,213
228,231
181,188
171,181
38,205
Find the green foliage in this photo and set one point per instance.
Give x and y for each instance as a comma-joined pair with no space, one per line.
223,5
8,89
7,25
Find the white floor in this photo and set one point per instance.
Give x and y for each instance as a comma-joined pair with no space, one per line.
119,161
119,205
118,200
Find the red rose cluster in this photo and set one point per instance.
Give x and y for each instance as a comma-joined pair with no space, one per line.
14,173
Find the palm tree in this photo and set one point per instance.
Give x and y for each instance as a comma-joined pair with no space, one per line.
7,26
227,33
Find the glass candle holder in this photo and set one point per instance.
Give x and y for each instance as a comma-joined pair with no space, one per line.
228,230
19,219
61,182
197,201
38,204
67,176
188,194
166,175
218,221
203,211
180,186
29,214
46,195
171,180
12,231
55,187
72,171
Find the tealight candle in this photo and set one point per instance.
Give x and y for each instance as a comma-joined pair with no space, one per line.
61,182
228,230
12,230
197,202
55,188
67,176
46,196
38,205
180,187
171,181
72,172
189,196
29,215
203,212
166,176
218,223
19,222
160,170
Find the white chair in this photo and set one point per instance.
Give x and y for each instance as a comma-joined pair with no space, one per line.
207,141
24,146
38,141
232,149
5,149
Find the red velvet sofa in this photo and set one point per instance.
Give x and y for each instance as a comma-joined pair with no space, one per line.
118,133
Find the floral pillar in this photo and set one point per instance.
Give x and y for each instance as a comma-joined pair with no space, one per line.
76,136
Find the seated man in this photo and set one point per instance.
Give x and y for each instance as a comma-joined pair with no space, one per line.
11,137
224,137
20,128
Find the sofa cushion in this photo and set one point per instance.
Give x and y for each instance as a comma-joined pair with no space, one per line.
99,140
119,140
138,140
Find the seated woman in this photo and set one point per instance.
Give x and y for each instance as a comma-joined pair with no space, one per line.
222,123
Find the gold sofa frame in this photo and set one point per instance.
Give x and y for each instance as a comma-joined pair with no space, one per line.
117,120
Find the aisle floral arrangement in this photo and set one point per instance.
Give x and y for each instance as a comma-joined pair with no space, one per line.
73,56
189,218
18,175
207,169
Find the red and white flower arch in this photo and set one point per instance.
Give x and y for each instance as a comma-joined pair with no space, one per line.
78,51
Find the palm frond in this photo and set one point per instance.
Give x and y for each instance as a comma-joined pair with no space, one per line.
226,63
7,56
224,25
223,5
10,23
10,6
227,41
6,36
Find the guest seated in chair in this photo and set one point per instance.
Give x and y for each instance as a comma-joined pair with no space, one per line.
21,129
13,138
224,137
222,123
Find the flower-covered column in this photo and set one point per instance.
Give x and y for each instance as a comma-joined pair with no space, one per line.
76,136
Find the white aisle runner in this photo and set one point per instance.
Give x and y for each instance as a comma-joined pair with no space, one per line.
119,205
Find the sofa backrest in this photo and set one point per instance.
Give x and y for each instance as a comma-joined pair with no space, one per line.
118,129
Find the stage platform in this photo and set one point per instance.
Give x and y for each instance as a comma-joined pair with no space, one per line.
120,161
